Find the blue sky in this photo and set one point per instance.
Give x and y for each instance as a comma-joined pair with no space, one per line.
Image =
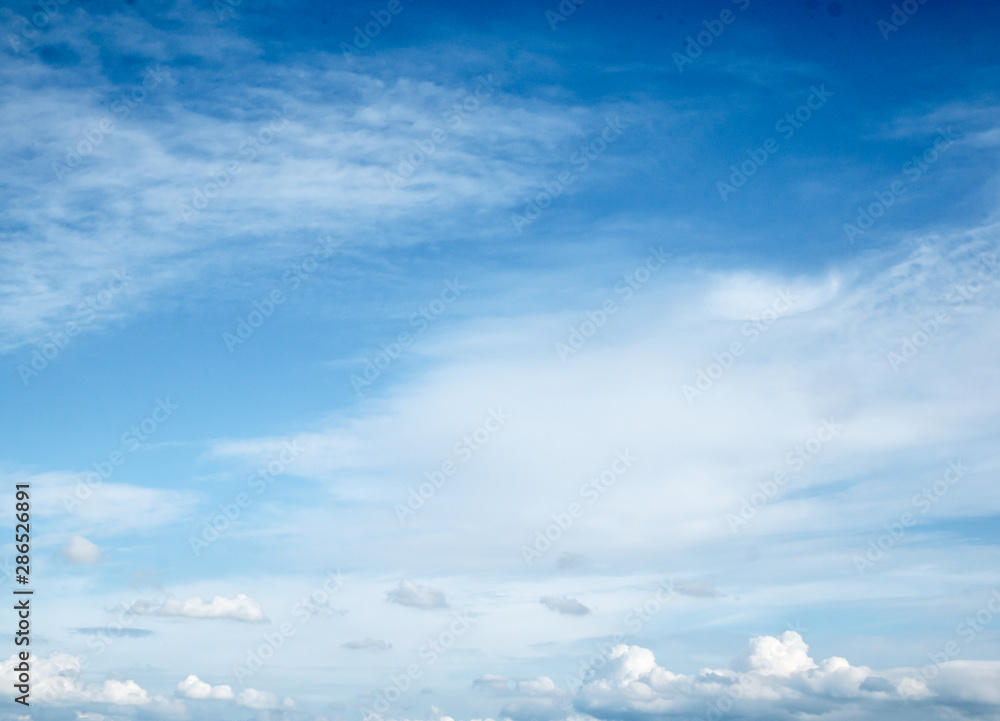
535,361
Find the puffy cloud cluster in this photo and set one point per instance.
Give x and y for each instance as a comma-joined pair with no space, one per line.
777,679
193,687
774,680
56,680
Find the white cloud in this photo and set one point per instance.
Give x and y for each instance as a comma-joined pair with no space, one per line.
408,593
779,656
825,361
56,680
122,693
779,680
564,605
80,550
193,687
81,502
240,608
263,700
349,128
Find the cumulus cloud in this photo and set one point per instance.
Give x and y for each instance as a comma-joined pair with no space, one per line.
263,700
193,687
564,605
122,693
777,679
80,550
408,593
56,680
241,608
368,642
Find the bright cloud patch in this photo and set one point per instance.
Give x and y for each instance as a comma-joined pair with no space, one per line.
55,680
80,550
779,680
263,700
193,687
240,608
